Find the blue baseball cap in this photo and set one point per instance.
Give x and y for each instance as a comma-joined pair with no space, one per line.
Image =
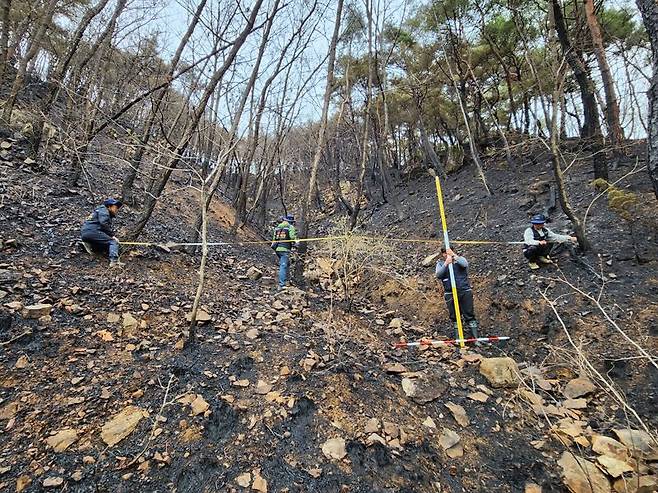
112,201
538,219
290,218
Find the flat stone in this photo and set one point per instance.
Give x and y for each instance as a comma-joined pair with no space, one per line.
455,451
259,484
409,387
459,413
262,387
36,311
578,387
252,334
375,438
639,443
614,467
395,368
244,480
575,403
202,316
372,426
254,273
448,439
478,396
431,259
582,476
53,482
636,484
500,372
391,429
426,388
609,446
62,440
532,488
121,425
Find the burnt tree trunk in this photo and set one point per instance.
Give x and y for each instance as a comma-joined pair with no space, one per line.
611,102
591,129
649,10
4,37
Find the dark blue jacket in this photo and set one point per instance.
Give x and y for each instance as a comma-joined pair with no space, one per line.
460,268
98,221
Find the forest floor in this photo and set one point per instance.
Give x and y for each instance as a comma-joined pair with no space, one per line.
300,391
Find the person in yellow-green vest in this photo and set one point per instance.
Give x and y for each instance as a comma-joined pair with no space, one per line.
283,242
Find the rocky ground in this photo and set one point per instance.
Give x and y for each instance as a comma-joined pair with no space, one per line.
302,391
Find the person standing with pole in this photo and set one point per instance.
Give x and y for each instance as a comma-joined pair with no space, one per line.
451,270
464,291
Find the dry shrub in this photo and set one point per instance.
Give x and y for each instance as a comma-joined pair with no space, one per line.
342,265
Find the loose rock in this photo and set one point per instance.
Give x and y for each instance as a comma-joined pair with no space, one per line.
578,387
62,440
121,425
500,372
581,476
37,311
334,448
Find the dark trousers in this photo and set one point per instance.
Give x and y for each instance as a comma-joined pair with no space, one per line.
102,243
533,252
466,309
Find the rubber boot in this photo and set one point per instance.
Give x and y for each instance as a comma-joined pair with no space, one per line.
474,326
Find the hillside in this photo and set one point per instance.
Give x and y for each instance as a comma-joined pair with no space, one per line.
298,390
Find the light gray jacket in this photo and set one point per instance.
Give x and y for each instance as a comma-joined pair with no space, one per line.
544,234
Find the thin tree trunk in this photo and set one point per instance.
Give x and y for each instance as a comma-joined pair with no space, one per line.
320,144
5,8
611,102
366,128
430,153
554,138
229,148
58,74
32,50
136,161
181,147
649,10
471,144
592,128
202,267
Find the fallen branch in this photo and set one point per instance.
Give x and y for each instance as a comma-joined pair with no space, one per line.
6,343
597,302
609,386
153,428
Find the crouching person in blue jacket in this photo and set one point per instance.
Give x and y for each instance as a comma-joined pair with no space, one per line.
97,233
464,292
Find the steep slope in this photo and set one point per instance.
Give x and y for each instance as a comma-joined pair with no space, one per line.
289,391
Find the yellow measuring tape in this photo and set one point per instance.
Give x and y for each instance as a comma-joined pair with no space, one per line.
322,238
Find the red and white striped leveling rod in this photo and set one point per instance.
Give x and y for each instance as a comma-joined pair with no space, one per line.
448,342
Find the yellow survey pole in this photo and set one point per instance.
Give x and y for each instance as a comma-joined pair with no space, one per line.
446,240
